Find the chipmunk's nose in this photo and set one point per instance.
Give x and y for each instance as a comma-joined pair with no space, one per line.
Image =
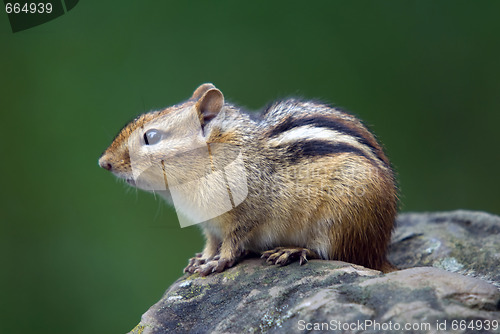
104,163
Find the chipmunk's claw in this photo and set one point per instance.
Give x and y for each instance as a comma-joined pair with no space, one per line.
195,263
217,265
285,255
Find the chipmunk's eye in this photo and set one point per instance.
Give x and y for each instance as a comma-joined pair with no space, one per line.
152,137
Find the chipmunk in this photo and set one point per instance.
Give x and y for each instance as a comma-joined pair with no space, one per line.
300,181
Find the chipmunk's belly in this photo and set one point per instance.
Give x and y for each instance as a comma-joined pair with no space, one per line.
267,238
312,235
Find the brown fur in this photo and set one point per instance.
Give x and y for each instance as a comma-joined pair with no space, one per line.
317,200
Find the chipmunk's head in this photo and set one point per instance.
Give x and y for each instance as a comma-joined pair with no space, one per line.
160,145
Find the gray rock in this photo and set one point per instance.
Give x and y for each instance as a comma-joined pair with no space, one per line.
461,241
330,295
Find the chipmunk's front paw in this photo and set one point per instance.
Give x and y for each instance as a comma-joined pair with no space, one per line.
284,255
195,263
217,265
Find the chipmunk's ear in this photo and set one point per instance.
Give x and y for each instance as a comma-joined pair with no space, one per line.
209,104
198,93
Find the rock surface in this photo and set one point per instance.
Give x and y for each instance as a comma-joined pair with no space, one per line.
336,296
466,242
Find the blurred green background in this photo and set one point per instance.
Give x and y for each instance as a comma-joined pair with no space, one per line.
84,253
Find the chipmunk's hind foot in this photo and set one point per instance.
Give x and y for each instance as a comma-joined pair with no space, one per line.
285,255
